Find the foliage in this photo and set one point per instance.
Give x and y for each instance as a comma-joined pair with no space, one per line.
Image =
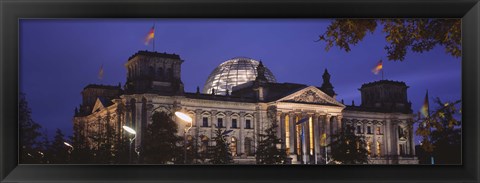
348,148
161,140
220,153
60,153
267,151
29,133
419,35
441,132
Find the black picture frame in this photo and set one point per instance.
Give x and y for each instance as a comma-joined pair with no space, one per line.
12,11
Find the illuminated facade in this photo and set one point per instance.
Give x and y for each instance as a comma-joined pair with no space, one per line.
153,84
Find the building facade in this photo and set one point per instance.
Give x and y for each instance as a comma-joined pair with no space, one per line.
154,84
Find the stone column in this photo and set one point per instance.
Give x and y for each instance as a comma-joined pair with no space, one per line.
227,122
339,123
278,117
241,120
138,123
412,140
374,150
291,121
328,133
213,121
282,129
317,135
305,140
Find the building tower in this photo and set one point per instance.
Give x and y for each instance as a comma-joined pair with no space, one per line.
389,96
153,72
327,87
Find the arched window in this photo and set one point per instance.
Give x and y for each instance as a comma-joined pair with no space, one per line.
233,146
160,73
169,73
151,71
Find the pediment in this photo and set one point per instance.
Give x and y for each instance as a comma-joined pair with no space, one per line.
311,95
98,106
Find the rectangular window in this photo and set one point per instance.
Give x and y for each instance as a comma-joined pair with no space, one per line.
220,122
359,129
378,131
234,123
369,129
205,122
247,124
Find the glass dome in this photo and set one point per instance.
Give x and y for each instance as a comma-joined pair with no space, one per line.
234,72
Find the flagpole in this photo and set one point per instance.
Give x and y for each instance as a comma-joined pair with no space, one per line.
382,73
153,37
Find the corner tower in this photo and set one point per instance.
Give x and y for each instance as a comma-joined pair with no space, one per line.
327,87
154,72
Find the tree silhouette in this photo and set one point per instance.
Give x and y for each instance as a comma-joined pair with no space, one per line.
59,151
220,153
29,133
418,35
441,132
348,148
161,140
267,151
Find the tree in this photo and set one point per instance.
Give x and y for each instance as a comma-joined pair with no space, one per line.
59,151
82,153
161,140
441,132
29,133
419,35
348,148
267,151
220,153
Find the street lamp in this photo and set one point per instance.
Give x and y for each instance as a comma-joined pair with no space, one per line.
130,131
69,150
189,120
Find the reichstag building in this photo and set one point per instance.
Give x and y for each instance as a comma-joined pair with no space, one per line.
239,95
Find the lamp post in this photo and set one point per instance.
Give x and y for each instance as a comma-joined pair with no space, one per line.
69,150
189,120
130,131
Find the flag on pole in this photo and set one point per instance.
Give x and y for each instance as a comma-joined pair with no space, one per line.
100,73
378,67
150,35
424,109
302,121
323,140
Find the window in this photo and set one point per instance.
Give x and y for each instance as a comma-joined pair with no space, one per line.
402,150
369,129
378,131
205,122
400,132
220,122
247,124
234,123
359,129
249,146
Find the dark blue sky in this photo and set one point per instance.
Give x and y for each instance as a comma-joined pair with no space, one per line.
60,57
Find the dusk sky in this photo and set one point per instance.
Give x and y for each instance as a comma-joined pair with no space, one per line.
58,58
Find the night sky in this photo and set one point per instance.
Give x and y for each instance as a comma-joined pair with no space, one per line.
58,58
